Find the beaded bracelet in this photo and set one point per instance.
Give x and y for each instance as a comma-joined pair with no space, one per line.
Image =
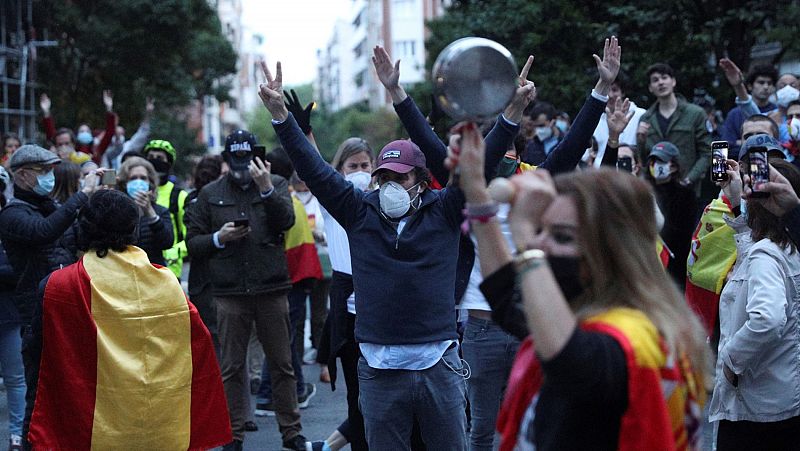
481,212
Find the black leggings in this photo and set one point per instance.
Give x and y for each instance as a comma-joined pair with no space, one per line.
353,426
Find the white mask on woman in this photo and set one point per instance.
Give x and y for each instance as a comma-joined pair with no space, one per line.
360,179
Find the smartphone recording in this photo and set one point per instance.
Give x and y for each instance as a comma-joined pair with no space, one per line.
719,155
758,169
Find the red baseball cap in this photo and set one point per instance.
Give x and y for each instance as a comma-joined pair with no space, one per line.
400,156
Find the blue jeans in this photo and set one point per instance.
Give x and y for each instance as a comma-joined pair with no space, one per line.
13,375
297,318
490,352
392,399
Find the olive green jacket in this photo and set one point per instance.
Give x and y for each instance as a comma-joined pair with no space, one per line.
687,131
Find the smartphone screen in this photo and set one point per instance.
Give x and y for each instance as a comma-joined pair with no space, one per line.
758,167
260,152
719,153
109,177
625,164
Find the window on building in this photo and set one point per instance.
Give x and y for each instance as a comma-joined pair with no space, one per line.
403,8
359,18
360,49
405,48
360,78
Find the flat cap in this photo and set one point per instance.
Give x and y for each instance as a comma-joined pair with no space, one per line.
30,154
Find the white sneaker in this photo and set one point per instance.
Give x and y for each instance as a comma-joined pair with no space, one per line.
310,356
15,443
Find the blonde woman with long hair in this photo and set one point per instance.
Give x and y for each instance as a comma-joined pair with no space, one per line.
618,355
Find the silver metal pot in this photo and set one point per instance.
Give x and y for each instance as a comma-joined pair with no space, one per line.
474,79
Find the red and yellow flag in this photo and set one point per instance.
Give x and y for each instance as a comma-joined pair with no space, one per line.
301,252
126,361
665,395
711,257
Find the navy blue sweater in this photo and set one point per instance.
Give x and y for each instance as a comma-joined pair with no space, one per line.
405,283
497,141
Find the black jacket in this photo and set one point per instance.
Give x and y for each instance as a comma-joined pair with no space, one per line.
9,315
35,242
199,274
255,264
155,237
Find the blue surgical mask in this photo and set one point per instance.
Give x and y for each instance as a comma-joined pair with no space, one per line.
84,138
544,133
562,125
45,184
135,186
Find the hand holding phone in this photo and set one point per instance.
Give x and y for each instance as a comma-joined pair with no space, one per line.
719,154
241,222
230,232
109,177
625,164
758,170
260,151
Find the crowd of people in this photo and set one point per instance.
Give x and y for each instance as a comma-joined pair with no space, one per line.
582,283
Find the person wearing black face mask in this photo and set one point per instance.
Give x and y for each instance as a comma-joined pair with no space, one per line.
677,202
596,304
237,224
161,154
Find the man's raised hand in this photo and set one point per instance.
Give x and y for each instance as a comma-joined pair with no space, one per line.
271,92
149,105
45,104
525,94
618,115
388,73
608,67
735,78
108,99
732,71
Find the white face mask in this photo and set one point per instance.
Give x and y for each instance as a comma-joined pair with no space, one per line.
661,172
786,94
544,133
395,200
360,179
794,128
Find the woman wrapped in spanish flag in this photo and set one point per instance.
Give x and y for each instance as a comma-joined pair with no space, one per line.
121,359
614,357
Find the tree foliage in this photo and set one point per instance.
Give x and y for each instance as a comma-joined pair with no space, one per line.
172,50
690,35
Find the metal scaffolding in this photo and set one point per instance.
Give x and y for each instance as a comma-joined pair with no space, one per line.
18,69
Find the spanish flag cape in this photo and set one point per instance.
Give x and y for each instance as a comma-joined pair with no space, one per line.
665,397
301,252
711,257
126,361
